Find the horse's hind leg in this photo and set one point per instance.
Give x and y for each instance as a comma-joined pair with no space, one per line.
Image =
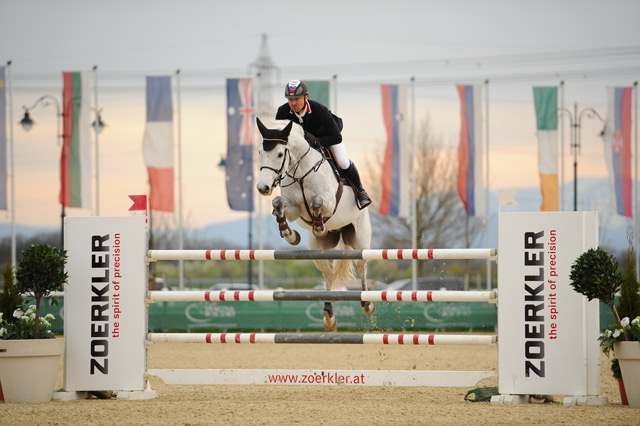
367,307
330,322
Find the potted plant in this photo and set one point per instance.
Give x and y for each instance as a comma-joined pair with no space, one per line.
595,275
29,352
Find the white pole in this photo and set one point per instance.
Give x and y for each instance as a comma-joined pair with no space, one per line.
414,237
335,94
96,132
635,184
12,168
180,230
259,108
561,117
487,204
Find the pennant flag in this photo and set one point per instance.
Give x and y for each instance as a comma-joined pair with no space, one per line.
319,91
617,149
3,141
75,161
240,119
395,170
546,104
157,144
139,202
470,166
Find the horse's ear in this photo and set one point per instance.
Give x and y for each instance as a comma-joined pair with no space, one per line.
261,126
285,132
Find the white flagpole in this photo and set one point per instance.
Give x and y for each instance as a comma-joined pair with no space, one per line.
259,107
414,237
95,133
12,168
487,203
561,117
334,107
180,230
635,184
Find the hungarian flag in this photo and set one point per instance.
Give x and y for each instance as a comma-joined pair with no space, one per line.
395,170
546,104
617,150
75,161
470,170
157,144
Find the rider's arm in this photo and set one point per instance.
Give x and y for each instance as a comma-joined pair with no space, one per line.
331,134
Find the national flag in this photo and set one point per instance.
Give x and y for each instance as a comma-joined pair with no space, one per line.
158,145
240,122
3,140
470,166
546,105
395,170
319,91
617,149
75,161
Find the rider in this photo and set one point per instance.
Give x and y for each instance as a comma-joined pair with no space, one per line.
321,129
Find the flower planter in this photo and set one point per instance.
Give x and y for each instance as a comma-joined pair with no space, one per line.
28,368
628,354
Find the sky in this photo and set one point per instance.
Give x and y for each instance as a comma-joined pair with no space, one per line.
514,45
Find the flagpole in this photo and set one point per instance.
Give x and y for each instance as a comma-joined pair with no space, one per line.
414,238
561,117
635,186
180,230
259,108
334,107
487,204
96,132
13,175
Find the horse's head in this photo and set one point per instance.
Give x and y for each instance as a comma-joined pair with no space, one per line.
274,156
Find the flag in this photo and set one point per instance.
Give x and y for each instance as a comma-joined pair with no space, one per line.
75,161
319,91
395,170
3,140
470,167
617,149
546,105
157,143
240,122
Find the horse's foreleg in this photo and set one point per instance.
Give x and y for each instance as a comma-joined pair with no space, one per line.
290,235
367,307
320,207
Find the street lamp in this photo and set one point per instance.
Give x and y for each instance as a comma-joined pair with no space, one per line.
27,123
575,120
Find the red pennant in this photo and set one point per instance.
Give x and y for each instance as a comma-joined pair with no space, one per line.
139,202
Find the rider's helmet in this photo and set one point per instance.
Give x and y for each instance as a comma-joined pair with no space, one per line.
295,89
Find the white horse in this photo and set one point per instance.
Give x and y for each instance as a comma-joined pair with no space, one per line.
312,195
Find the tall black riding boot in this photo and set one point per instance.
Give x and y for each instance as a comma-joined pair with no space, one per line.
362,199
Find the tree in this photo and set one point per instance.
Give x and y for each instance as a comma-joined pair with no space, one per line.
441,220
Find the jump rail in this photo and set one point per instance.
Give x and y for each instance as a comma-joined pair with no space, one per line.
382,254
323,338
321,295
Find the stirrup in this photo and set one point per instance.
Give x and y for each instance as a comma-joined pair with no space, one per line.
362,200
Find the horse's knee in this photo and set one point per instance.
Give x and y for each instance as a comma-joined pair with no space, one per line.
316,203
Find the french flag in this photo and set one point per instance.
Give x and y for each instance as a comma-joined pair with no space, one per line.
470,169
395,171
617,147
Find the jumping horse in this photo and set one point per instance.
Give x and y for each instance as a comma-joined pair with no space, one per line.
314,196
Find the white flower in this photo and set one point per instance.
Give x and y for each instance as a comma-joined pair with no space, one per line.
50,317
609,333
32,308
17,313
44,322
624,322
0,316
636,320
3,331
616,333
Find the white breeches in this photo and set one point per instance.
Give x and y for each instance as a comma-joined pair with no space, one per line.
340,154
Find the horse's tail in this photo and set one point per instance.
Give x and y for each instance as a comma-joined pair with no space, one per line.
343,271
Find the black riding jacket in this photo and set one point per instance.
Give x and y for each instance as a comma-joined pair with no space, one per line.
318,121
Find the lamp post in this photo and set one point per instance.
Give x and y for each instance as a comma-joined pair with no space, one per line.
575,121
27,123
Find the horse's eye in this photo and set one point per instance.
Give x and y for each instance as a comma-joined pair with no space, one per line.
280,155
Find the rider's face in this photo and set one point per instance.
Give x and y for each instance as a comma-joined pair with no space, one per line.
297,104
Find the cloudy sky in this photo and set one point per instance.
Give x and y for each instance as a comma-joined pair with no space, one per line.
515,45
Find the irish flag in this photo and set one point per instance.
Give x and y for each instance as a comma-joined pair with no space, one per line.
546,105
75,161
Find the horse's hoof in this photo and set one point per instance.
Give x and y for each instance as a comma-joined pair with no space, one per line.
296,238
330,323
368,307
